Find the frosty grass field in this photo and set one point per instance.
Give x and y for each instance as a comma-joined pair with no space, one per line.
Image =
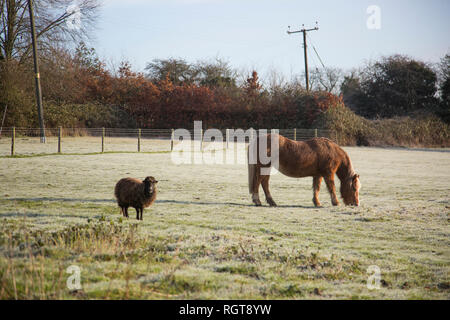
202,238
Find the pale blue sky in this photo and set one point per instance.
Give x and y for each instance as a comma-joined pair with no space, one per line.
252,33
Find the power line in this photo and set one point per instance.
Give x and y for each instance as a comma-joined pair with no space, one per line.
305,48
316,66
125,24
318,56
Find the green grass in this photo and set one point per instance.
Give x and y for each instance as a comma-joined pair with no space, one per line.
202,239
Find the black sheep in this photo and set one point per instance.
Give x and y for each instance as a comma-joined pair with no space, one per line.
131,192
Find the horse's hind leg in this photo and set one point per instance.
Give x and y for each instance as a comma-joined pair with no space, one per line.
265,185
329,180
316,186
255,192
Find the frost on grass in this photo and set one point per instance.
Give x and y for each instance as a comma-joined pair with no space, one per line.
203,239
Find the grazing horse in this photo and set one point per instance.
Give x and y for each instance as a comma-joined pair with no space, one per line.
318,158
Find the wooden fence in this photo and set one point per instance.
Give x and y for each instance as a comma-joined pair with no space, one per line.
122,139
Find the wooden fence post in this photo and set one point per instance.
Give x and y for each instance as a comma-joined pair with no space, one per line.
172,136
13,140
59,139
139,140
201,140
295,134
315,133
103,140
226,137
3,120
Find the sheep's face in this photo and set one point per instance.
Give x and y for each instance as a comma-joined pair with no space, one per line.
152,183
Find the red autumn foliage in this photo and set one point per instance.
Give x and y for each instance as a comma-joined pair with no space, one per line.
319,103
164,104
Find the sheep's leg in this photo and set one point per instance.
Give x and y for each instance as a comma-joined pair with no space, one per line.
125,212
142,213
137,213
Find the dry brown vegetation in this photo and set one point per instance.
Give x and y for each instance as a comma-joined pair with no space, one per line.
80,91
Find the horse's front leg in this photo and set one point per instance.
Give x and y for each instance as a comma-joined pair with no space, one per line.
265,185
329,180
316,186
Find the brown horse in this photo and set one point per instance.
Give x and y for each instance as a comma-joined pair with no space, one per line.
318,158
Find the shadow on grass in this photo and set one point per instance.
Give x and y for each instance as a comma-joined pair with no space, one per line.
298,206
201,203
61,200
51,199
233,204
43,215
204,203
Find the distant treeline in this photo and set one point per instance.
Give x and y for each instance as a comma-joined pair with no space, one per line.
394,101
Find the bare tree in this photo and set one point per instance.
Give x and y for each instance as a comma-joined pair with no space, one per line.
178,70
56,21
328,79
216,73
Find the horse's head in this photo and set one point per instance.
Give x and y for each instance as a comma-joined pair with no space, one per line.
350,190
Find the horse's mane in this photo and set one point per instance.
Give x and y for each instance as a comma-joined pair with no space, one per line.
345,170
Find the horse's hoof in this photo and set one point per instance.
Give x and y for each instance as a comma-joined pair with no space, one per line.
257,203
316,203
271,203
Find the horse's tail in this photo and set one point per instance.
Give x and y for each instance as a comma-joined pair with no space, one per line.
252,170
252,177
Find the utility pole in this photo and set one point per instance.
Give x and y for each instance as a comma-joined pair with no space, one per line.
303,30
36,73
